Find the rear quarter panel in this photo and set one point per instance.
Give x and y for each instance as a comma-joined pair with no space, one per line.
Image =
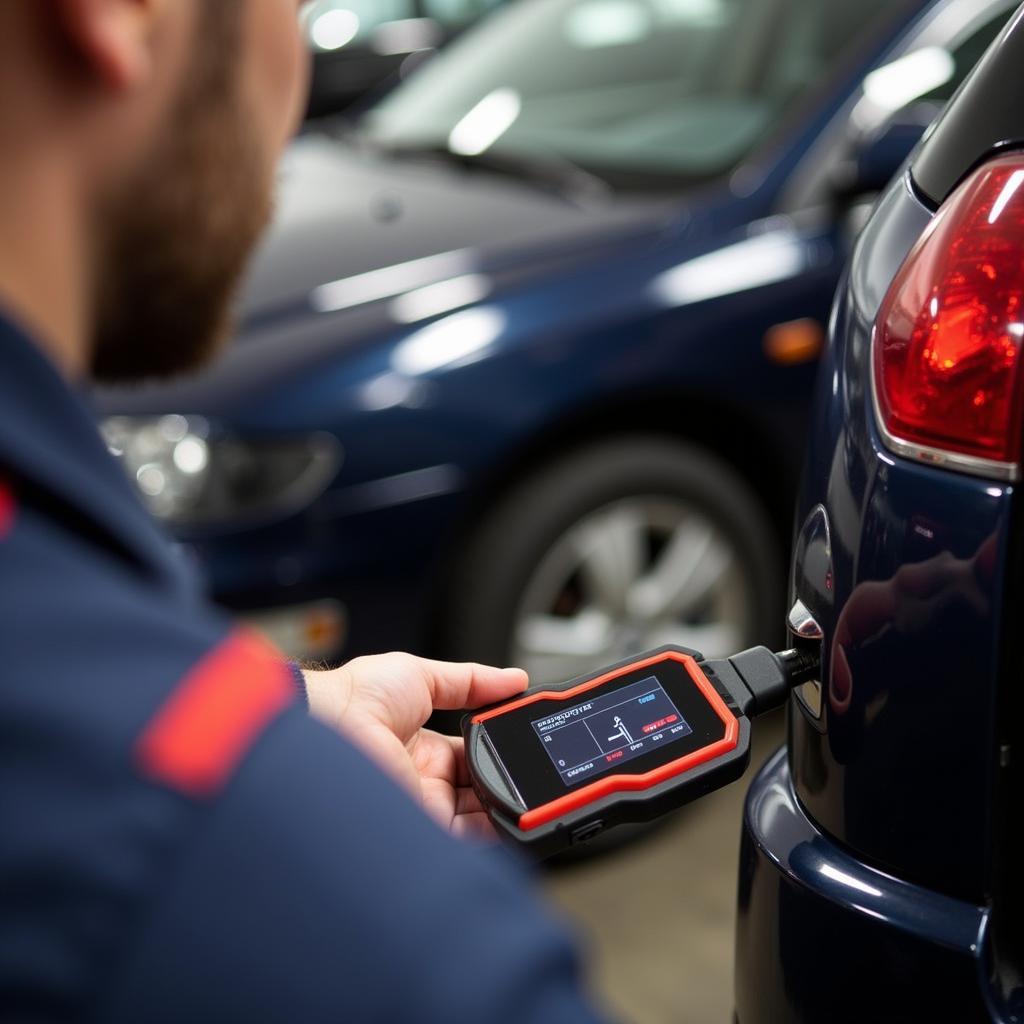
900,767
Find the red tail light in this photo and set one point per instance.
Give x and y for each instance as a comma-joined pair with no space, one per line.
947,342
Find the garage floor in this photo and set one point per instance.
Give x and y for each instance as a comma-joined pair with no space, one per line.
656,916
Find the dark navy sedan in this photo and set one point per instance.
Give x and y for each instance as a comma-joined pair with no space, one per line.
523,369
881,873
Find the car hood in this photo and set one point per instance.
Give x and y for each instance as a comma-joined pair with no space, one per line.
344,212
353,232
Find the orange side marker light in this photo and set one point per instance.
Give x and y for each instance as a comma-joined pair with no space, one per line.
794,342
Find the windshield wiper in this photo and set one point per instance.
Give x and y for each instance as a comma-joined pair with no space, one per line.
551,170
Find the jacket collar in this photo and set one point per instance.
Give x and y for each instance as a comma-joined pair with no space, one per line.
50,442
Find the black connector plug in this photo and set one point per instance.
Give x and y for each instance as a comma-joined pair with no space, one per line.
799,666
760,680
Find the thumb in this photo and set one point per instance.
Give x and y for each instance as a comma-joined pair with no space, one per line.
455,685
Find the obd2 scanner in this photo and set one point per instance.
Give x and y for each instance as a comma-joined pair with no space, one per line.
629,743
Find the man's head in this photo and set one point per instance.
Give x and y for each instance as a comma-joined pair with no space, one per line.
173,114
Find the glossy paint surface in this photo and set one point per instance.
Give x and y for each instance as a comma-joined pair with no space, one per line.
821,936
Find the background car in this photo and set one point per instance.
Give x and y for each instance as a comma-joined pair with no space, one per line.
362,47
880,873
523,369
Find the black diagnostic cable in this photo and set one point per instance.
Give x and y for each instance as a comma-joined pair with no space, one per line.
760,680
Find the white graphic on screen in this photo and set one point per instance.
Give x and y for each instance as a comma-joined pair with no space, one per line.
621,731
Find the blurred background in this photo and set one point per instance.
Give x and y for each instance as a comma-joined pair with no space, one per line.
522,369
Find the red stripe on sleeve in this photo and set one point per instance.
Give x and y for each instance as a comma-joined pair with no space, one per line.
203,730
8,509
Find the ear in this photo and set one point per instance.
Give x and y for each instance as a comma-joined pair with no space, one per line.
112,38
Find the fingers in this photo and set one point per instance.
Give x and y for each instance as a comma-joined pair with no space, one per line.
447,805
385,749
470,820
467,802
439,801
455,685
447,795
458,749
473,826
444,757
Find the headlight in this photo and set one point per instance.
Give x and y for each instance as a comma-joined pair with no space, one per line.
188,474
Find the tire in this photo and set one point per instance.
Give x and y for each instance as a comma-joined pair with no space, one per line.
612,486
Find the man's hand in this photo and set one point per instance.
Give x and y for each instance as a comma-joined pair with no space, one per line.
381,704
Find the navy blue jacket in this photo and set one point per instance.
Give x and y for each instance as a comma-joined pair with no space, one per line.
179,841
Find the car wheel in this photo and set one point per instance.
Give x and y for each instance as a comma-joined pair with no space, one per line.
615,549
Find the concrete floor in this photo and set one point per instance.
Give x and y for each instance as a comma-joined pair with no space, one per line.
656,916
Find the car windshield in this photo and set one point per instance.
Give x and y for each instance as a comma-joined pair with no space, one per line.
685,88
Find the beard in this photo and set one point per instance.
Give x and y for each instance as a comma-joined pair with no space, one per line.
176,238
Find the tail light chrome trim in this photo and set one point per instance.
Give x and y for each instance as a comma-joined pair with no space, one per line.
956,461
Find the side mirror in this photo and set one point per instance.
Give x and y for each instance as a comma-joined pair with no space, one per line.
876,156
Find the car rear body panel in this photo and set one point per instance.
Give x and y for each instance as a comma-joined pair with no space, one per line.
903,751
901,786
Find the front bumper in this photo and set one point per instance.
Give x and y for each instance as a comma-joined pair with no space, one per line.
375,570
821,936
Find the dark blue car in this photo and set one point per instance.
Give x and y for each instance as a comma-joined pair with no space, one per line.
881,871
523,369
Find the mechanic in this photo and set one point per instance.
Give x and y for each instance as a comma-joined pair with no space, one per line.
182,837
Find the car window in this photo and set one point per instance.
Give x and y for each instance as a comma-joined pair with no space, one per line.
929,72
910,88
333,24
687,87
965,54
456,13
